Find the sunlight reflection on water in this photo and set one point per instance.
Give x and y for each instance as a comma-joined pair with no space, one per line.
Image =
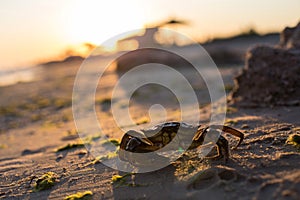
10,77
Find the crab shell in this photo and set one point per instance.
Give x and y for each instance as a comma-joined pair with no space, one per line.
181,134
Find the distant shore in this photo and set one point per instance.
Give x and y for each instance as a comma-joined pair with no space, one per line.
224,51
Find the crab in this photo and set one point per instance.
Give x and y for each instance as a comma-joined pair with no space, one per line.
181,134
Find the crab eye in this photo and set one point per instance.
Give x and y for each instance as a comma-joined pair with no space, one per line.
132,144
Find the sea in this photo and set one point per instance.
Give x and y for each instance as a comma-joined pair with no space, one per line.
17,75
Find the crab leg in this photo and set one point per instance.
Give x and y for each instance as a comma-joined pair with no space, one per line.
222,143
222,148
230,130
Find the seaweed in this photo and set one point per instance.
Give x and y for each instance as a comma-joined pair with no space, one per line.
119,180
61,103
231,110
108,156
113,141
294,139
42,102
70,146
231,122
44,182
228,110
142,120
80,195
91,138
10,111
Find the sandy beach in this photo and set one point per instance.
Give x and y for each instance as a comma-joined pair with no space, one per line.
38,139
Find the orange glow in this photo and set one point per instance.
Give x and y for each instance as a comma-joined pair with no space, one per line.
34,31
97,22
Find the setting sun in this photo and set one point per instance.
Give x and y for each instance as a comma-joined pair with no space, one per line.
97,22
41,30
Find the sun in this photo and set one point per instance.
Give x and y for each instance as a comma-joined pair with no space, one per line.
96,21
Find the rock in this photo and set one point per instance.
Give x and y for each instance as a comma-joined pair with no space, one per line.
271,75
290,37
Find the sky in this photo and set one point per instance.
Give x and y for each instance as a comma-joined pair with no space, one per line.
33,31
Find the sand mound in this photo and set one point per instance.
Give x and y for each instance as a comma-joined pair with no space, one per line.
271,75
148,55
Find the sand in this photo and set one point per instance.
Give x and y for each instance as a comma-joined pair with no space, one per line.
36,119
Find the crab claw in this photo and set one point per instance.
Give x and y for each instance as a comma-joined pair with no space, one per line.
132,144
133,141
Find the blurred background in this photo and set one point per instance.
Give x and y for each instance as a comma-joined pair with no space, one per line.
34,32
43,44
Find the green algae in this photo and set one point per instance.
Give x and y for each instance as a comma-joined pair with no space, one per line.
46,181
294,139
108,156
80,195
70,146
113,141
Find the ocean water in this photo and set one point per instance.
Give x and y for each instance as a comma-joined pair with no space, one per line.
17,75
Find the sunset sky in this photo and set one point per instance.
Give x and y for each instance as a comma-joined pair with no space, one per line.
35,30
